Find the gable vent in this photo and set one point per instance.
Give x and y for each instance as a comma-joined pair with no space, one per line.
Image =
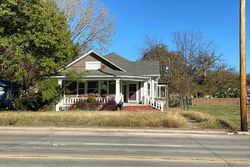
93,65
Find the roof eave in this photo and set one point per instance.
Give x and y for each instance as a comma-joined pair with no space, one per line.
88,53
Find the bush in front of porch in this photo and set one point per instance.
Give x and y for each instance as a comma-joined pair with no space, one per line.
91,104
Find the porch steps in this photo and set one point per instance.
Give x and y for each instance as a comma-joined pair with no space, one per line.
139,108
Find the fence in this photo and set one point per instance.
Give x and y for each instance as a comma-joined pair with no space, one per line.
216,101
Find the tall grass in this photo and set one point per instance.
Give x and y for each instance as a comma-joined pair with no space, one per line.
231,113
206,121
93,118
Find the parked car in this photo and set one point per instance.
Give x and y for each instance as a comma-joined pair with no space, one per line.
6,96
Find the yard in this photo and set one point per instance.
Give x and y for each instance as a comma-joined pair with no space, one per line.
198,117
231,113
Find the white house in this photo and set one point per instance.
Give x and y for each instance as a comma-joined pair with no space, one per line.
112,76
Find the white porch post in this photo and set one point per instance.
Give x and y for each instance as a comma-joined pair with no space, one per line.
152,89
60,82
156,89
117,91
145,88
141,91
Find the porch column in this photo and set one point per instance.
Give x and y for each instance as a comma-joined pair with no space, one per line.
145,88
152,89
117,91
141,91
60,82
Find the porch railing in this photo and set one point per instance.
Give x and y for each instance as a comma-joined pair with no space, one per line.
159,105
70,100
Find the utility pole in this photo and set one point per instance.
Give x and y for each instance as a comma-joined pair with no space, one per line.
243,95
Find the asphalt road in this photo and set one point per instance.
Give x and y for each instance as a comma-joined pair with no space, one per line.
114,149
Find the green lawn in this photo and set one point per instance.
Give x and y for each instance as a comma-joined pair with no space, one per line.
231,113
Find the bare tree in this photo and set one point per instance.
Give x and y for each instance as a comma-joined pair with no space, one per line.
90,23
169,61
199,55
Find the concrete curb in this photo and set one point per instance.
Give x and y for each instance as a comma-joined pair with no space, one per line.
124,130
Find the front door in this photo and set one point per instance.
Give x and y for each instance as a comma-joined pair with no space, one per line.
132,92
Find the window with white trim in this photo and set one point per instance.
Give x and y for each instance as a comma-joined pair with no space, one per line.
93,65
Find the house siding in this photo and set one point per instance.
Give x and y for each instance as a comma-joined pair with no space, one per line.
80,66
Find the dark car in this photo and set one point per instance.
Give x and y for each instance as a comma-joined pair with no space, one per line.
6,97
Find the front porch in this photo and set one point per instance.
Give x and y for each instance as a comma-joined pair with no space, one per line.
123,91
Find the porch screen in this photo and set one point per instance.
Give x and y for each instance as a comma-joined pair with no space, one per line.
111,87
81,88
71,87
104,87
93,87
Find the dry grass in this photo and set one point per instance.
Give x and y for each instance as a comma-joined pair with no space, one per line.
101,119
175,118
231,113
206,121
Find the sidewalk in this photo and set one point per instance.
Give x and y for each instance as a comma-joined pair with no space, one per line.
124,130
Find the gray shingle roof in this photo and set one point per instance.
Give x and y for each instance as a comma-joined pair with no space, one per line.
134,68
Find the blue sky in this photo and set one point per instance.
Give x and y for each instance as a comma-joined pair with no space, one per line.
217,19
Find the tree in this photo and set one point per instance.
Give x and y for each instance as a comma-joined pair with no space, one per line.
194,67
34,44
91,25
170,63
199,55
248,79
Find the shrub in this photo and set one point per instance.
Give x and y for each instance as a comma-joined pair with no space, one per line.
110,106
88,104
31,101
93,95
91,100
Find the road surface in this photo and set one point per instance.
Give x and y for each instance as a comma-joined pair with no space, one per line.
115,149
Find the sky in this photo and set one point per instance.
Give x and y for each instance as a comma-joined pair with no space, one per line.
217,20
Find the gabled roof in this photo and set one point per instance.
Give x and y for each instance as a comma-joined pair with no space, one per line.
123,67
141,68
88,53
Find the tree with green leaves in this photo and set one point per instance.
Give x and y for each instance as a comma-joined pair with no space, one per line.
248,79
194,67
34,43
169,61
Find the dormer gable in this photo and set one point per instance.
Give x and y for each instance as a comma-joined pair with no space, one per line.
92,61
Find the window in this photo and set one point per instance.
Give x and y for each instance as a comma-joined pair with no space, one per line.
81,87
93,87
104,87
71,87
112,87
93,65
